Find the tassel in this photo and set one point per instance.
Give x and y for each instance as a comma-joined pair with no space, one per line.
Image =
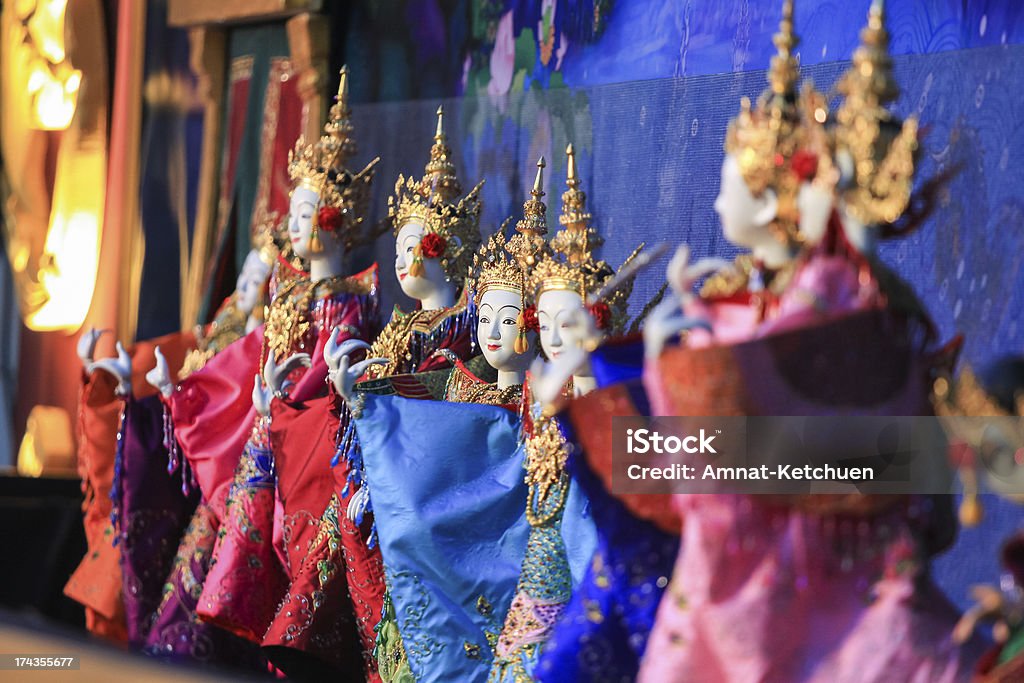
416,267
521,345
970,511
315,245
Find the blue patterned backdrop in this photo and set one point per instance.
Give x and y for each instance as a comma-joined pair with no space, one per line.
646,92
415,49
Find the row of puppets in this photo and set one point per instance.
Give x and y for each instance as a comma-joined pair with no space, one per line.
299,489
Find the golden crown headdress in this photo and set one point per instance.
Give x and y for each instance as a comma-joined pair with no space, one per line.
321,167
495,267
434,201
882,149
767,141
568,262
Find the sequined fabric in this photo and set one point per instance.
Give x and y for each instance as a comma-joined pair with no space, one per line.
151,509
246,579
177,632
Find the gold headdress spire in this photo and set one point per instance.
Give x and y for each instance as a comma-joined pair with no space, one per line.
527,245
534,221
577,239
882,150
785,70
440,171
321,167
434,202
871,76
339,128
765,140
569,264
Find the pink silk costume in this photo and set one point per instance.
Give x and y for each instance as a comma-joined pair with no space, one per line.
830,279
805,588
247,576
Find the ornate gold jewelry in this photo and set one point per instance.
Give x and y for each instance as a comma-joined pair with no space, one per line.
432,202
288,317
227,327
546,456
465,387
737,278
402,339
882,149
320,167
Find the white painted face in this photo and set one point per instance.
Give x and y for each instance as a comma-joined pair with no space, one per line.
300,219
745,218
250,282
555,312
496,331
433,278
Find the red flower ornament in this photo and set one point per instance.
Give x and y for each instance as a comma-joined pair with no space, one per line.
329,218
602,315
433,245
804,165
530,322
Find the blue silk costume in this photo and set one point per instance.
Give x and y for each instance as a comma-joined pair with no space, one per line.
449,499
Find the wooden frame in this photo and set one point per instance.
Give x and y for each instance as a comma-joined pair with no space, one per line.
208,57
206,12
308,41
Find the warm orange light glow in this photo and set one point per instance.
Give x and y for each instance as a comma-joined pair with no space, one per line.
56,274
47,447
69,279
55,100
72,243
51,83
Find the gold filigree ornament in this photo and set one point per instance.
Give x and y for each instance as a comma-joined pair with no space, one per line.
289,320
567,262
434,202
546,455
960,405
265,245
495,267
766,140
882,150
321,167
